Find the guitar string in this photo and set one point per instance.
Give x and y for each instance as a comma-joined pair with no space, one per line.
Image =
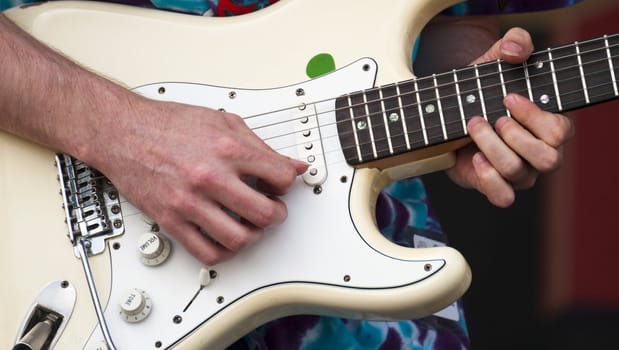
514,68
458,133
451,108
343,147
604,60
524,92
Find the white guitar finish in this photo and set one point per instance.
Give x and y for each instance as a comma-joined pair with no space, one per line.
327,258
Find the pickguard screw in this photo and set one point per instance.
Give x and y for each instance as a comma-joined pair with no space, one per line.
212,273
177,319
300,92
220,300
317,189
118,223
366,67
344,179
161,90
64,284
347,278
232,94
427,267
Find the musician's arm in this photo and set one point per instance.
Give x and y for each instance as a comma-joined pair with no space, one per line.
180,164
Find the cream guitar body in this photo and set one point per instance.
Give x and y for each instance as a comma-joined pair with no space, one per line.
327,258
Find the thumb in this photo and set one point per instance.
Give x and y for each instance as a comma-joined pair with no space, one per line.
515,47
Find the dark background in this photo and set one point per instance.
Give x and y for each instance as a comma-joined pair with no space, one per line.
545,270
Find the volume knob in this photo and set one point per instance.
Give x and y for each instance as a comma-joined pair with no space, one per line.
153,248
135,305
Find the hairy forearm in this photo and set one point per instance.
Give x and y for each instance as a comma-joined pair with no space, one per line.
450,42
48,99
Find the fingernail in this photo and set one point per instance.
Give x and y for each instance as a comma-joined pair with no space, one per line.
300,166
474,121
510,48
510,100
500,122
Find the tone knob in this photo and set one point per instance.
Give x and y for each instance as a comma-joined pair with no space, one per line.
153,248
135,305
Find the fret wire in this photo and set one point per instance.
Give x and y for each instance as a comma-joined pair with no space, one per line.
354,128
404,126
582,73
610,65
462,116
440,106
369,121
421,119
528,80
503,88
481,94
554,80
382,104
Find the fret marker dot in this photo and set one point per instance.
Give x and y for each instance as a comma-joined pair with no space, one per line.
430,108
471,98
544,99
362,124
394,117
539,64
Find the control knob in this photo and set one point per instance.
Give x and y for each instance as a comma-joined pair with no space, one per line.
135,305
153,248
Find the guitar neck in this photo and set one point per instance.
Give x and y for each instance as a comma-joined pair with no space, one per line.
394,119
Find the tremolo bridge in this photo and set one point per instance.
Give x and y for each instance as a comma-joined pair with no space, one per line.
91,204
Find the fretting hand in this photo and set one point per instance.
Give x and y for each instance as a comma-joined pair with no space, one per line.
511,155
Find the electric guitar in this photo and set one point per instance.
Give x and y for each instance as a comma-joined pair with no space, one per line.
361,121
